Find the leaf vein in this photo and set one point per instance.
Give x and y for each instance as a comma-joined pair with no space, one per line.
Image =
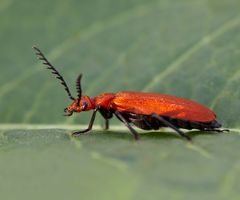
193,49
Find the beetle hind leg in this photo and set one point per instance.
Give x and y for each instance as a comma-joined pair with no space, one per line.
169,124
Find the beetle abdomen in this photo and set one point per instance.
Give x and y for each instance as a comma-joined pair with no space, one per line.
147,122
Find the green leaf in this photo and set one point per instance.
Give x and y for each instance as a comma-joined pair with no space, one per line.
184,48
38,164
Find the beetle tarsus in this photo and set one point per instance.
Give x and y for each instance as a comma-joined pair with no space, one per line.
135,133
77,133
168,124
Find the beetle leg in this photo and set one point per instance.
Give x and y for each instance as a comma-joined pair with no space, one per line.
168,124
77,133
106,115
119,116
106,124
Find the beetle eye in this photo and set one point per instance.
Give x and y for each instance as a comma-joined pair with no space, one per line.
84,107
65,110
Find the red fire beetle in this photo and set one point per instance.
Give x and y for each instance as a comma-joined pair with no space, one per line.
145,110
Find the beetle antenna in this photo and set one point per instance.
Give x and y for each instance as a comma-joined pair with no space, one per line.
79,89
44,60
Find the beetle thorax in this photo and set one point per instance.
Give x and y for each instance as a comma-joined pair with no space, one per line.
104,100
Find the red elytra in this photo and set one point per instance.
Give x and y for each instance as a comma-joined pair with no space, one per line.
145,110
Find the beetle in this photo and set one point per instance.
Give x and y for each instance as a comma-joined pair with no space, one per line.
148,111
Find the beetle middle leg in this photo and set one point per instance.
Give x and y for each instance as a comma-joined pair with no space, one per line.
168,124
126,123
106,124
106,115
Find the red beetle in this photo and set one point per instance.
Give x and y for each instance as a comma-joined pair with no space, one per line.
145,110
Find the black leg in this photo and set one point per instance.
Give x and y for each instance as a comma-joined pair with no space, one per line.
106,114
76,133
106,124
168,124
119,116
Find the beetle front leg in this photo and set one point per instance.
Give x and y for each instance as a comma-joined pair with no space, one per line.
77,133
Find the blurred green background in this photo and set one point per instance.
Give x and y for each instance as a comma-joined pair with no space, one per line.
187,48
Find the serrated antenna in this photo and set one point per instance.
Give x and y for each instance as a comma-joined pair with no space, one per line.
78,88
45,61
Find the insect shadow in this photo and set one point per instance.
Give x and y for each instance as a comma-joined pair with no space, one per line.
163,135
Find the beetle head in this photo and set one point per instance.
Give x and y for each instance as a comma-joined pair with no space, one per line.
82,103
85,104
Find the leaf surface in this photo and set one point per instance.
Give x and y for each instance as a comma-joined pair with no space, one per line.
185,48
